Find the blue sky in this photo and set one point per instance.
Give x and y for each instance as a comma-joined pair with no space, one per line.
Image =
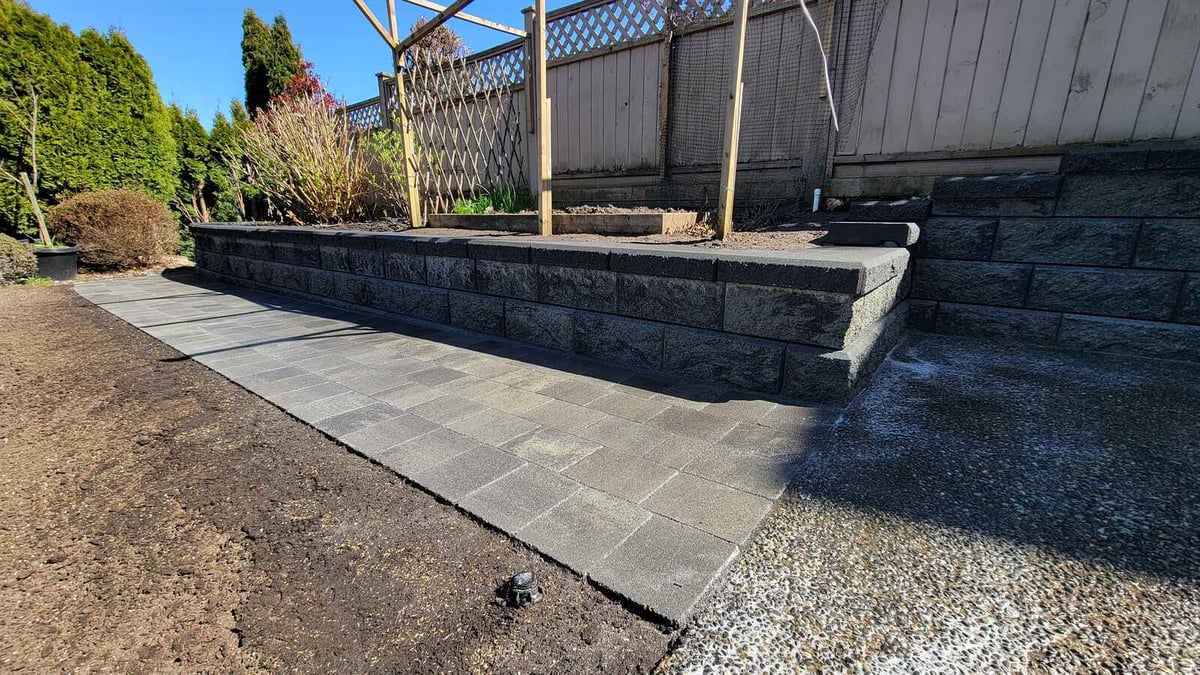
194,46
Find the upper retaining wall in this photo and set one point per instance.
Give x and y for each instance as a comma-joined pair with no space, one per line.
807,324
1104,255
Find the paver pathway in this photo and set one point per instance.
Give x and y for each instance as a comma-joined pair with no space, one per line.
646,485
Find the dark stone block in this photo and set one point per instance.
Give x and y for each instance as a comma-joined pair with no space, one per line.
366,262
980,283
322,283
447,272
569,255
1135,338
1025,186
1123,293
352,288
895,210
452,247
809,317
828,376
1189,305
387,296
1067,241
616,339
335,258
786,272
396,243
511,280
991,208
960,238
1092,160
253,247
1173,245
1176,157
677,262
922,315
552,327
426,303
744,362
1141,194
408,267
239,267
578,287
870,234
297,253
480,313
500,251
290,277
682,301
1015,325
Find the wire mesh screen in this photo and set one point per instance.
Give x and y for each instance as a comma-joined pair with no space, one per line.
785,106
466,123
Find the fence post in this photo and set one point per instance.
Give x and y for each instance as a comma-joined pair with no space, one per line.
411,189
385,102
733,120
531,112
544,184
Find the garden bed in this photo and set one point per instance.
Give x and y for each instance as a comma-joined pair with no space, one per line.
619,222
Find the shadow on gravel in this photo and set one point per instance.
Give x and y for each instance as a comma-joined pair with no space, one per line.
1095,456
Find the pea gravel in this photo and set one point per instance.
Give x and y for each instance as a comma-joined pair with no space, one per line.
980,508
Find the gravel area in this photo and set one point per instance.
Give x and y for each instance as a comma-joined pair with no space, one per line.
980,508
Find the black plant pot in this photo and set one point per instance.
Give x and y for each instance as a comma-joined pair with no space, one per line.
60,263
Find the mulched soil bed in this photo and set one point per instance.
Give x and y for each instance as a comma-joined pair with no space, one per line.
154,516
782,238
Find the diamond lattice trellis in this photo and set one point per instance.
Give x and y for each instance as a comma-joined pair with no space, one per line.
466,126
365,115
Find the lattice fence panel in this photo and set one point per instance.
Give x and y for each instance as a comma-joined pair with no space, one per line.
365,115
466,122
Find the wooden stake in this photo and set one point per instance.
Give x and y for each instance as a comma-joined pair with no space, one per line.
544,187
470,18
733,120
411,189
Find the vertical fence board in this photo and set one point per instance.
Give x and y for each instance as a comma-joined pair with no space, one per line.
1092,67
902,84
876,90
1057,67
1188,125
1168,78
960,73
1127,79
927,97
1024,64
990,72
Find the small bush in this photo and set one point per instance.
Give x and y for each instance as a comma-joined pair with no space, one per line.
116,229
17,261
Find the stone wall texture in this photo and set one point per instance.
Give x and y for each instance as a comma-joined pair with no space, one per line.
1104,255
810,325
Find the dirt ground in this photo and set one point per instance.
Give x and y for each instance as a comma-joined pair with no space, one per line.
155,517
781,238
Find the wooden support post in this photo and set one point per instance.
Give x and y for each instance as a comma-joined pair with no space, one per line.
411,190
733,120
544,185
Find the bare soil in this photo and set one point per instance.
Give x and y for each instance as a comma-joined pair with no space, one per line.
784,238
156,517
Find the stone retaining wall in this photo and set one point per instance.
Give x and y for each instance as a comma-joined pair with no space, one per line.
806,324
1104,255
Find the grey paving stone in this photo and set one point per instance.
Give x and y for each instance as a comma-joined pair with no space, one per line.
717,509
488,367
582,529
620,473
694,423
465,473
563,416
408,395
295,397
622,434
493,427
446,409
435,376
678,451
755,459
371,383
793,418
359,418
574,391
530,379
512,400
665,566
316,411
628,406
374,439
474,388
555,450
514,500
741,409
272,389
418,454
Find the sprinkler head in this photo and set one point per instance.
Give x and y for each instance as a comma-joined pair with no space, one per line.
523,590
